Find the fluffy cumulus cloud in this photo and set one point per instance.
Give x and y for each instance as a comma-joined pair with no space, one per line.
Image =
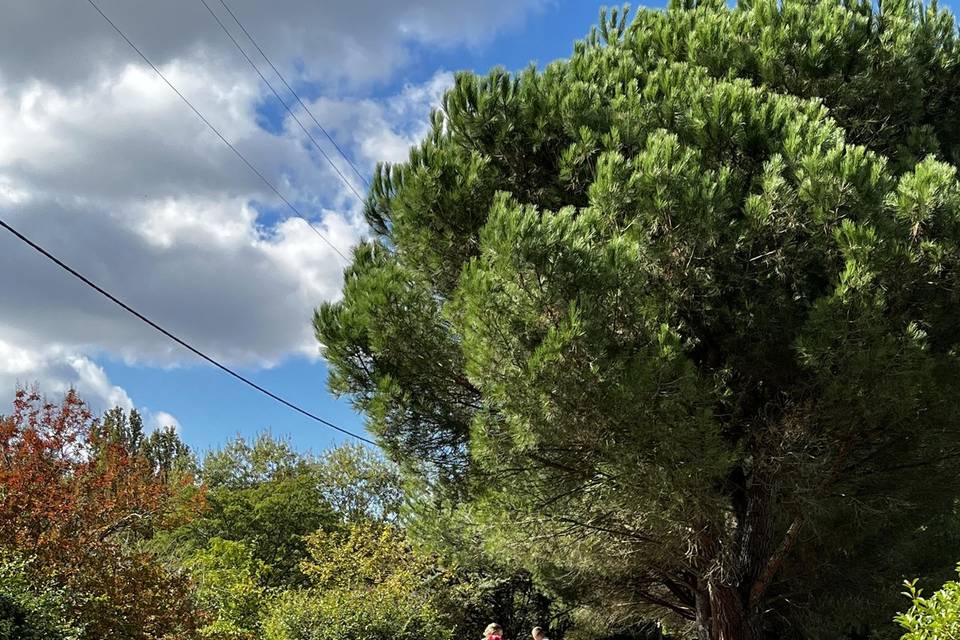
101,163
384,130
349,42
59,369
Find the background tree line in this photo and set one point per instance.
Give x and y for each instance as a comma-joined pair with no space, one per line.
111,533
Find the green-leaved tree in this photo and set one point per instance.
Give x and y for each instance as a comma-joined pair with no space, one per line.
674,322
365,584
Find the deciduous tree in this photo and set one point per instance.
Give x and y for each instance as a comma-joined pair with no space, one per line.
79,507
359,484
264,495
366,584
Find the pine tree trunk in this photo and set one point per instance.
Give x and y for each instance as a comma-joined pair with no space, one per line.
703,612
721,614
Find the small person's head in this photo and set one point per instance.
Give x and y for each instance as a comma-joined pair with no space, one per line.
538,633
493,631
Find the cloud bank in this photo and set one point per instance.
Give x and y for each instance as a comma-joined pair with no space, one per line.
104,166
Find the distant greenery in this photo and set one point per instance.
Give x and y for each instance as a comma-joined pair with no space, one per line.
229,586
365,584
266,496
256,540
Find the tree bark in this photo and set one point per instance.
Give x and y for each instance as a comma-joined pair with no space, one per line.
774,563
724,608
754,533
721,613
703,612
722,605
729,619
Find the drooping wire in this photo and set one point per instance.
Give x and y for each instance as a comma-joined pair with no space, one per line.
183,343
276,94
295,94
223,139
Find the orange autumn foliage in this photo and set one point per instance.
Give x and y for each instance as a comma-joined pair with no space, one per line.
82,508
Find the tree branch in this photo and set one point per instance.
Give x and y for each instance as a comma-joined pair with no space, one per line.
601,529
122,522
681,610
775,562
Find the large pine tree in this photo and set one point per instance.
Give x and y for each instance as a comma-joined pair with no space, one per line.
675,321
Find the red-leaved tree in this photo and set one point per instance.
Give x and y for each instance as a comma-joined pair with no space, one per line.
82,509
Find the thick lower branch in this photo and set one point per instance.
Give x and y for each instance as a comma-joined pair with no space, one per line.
773,565
681,610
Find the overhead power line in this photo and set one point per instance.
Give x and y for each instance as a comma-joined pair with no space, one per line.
223,139
326,157
302,104
295,95
183,343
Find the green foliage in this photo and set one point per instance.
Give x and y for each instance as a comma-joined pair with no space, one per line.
887,72
228,587
684,306
162,447
272,518
266,496
120,427
366,584
30,607
169,455
274,543
240,464
270,497
480,587
933,618
477,595
359,484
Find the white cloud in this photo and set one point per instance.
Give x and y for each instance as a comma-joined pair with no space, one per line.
104,166
240,296
92,382
162,420
336,42
384,130
59,370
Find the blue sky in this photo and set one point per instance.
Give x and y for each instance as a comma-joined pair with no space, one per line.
212,407
106,169
101,164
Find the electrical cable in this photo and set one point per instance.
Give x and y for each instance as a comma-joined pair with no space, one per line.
276,94
295,95
183,343
216,131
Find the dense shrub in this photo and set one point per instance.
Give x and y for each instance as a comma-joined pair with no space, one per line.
934,618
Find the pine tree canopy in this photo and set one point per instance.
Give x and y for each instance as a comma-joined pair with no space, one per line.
674,322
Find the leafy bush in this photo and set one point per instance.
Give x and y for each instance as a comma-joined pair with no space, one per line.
933,618
366,585
30,608
379,613
228,587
